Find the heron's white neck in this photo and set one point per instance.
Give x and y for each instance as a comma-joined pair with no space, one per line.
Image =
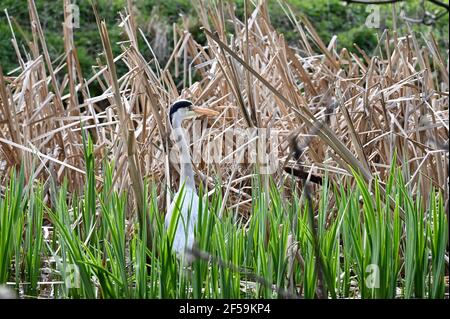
187,171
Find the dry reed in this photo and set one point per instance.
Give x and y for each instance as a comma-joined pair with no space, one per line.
394,99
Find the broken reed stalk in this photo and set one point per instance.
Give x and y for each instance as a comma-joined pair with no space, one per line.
127,133
39,34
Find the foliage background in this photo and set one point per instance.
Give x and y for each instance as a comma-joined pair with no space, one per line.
156,19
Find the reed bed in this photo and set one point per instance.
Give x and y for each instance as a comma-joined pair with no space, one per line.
360,118
394,99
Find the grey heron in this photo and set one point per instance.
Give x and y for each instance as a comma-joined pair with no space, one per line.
188,211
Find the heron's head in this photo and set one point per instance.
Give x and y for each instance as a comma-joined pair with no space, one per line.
184,109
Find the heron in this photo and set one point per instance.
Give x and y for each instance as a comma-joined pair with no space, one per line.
188,205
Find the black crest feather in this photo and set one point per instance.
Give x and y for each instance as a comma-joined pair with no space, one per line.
178,105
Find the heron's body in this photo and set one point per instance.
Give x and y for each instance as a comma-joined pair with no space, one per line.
184,234
188,211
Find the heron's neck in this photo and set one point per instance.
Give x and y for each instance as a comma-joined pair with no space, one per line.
187,171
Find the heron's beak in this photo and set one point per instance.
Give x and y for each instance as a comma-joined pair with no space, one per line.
205,111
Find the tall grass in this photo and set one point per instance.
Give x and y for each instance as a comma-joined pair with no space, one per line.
366,249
